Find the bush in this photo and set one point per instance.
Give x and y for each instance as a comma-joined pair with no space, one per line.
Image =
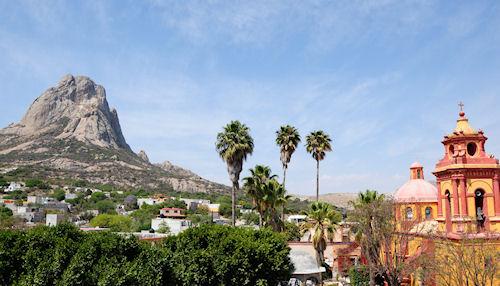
63,255
113,222
105,206
58,194
3,182
359,276
208,255
37,183
222,255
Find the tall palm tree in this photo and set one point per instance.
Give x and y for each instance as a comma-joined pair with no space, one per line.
254,187
322,220
234,144
288,138
317,144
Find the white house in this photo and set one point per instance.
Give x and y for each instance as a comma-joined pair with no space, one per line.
175,225
14,186
296,218
53,219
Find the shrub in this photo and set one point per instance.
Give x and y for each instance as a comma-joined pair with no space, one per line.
37,183
113,222
222,255
207,255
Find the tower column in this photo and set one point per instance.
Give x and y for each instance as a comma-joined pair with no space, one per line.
463,197
455,197
440,200
496,194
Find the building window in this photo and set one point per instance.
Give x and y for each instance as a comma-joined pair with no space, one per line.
479,201
418,174
409,213
471,148
451,150
428,213
448,203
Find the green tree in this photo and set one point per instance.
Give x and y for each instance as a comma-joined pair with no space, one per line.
113,222
3,182
362,201
322,221
221,255
288,139
97,196
317,144
5,212
105,207
234,144
359,276
58,194
254,187
37,183
274,198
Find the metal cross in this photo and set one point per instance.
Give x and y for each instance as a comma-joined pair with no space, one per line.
461,106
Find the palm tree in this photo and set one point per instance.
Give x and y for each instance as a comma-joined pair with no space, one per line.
323,220
254,184
288,138
363,200
274,197
317,144
234,144
367,197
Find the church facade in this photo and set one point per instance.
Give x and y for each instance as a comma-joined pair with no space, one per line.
462,209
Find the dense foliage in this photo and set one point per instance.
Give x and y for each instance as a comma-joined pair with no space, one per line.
359,276
207,255
220,255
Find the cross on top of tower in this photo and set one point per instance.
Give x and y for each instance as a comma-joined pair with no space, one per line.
461,106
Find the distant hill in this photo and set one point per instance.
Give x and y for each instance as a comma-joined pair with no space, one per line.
337,199
69,132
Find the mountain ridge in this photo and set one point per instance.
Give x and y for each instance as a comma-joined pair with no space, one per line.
71,132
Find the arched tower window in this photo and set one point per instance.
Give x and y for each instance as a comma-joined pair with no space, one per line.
471,149
428,213
419,176
448,202
479,202
409,213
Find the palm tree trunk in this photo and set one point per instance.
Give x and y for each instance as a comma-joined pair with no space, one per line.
283,206
317,180
233,204
284,175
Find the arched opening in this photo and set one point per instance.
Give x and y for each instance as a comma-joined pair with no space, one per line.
409,213
419,176
451,150
471,148
428,213
479,202
448,202
448,210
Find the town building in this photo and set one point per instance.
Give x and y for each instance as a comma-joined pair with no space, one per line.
175,226
53,219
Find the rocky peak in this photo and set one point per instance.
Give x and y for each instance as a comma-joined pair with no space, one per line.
76,108
171,168
142,154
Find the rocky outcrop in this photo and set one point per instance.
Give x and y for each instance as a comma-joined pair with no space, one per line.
69,132
171,168
142,154
76,108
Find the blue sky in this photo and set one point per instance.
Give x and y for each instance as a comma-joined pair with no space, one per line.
383,78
